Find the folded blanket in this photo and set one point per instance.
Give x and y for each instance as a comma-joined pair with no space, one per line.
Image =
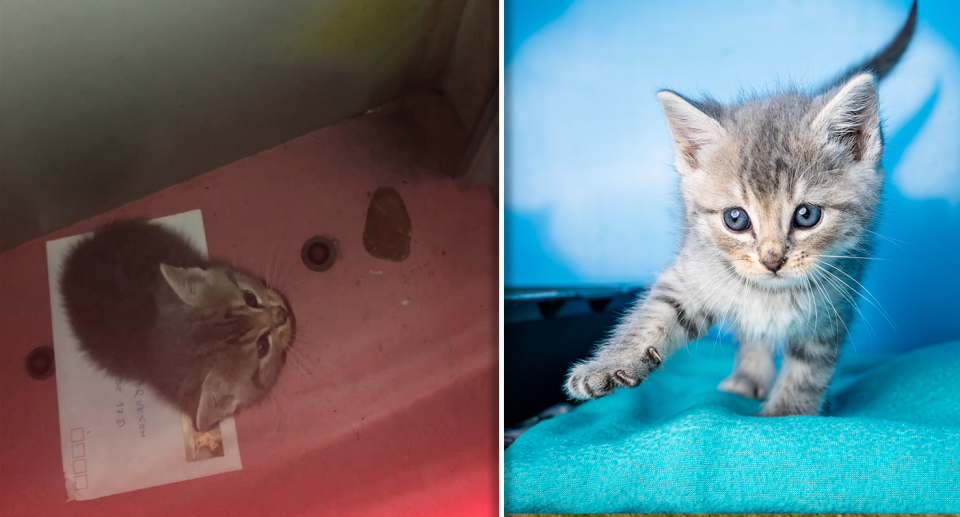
888,441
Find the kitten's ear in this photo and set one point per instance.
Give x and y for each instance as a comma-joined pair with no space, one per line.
690,128
216,402
852,118
188,283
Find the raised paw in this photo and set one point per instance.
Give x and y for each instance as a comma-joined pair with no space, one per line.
599,377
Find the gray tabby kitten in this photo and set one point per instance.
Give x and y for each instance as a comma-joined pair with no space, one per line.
780,193
147,307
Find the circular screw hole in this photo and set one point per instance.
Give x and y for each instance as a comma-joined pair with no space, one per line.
318,253
40,364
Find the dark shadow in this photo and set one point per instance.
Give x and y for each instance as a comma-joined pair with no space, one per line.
74,166
18,215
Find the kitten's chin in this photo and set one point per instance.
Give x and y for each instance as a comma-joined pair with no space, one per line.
777,281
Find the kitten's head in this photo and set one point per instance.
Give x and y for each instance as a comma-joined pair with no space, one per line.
777,186
244,328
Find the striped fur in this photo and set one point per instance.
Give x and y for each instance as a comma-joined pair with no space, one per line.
777,283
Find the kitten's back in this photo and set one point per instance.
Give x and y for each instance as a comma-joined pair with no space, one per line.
109,284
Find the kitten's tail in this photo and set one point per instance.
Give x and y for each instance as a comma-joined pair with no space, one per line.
881,64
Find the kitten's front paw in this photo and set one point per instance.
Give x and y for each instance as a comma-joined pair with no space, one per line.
599,377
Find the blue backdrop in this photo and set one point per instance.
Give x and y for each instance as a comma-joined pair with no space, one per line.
591,194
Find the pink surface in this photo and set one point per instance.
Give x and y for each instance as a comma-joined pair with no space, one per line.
397,414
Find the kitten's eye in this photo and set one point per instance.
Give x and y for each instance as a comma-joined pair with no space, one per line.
263,346
251,299
736,219
806,216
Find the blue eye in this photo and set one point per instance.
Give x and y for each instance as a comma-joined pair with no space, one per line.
806,216
736,219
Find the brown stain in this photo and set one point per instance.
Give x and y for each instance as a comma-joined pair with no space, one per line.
386,234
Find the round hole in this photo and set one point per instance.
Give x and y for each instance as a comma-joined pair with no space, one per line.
319,253
40,363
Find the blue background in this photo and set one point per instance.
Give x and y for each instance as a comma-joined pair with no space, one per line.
591,196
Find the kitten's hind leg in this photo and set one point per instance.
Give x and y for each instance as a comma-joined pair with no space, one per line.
753,372
802,384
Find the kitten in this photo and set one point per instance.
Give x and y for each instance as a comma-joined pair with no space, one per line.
779,194
147,307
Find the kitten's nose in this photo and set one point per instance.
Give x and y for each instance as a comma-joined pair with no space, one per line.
282,315
773,261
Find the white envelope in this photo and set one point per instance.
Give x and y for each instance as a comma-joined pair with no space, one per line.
117,436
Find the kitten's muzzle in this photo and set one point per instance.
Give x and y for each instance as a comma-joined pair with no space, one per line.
280,315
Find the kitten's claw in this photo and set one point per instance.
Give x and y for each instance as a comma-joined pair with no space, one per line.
597,378
655,355
590,393
626,379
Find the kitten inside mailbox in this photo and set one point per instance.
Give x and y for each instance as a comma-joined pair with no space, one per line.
146,306
780,196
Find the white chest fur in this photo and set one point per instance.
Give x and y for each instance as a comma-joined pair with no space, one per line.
759,314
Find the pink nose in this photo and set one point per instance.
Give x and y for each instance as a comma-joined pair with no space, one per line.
773,261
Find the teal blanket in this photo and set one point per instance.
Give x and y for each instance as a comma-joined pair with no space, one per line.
888,442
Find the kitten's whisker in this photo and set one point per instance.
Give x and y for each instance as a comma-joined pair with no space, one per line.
891,240
291,288
279,413
834,279
844,256
303,369
304,345
296,352
877,305
282,273
299,362
826,298
275,270
862,258
304,351
812,301
852,343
